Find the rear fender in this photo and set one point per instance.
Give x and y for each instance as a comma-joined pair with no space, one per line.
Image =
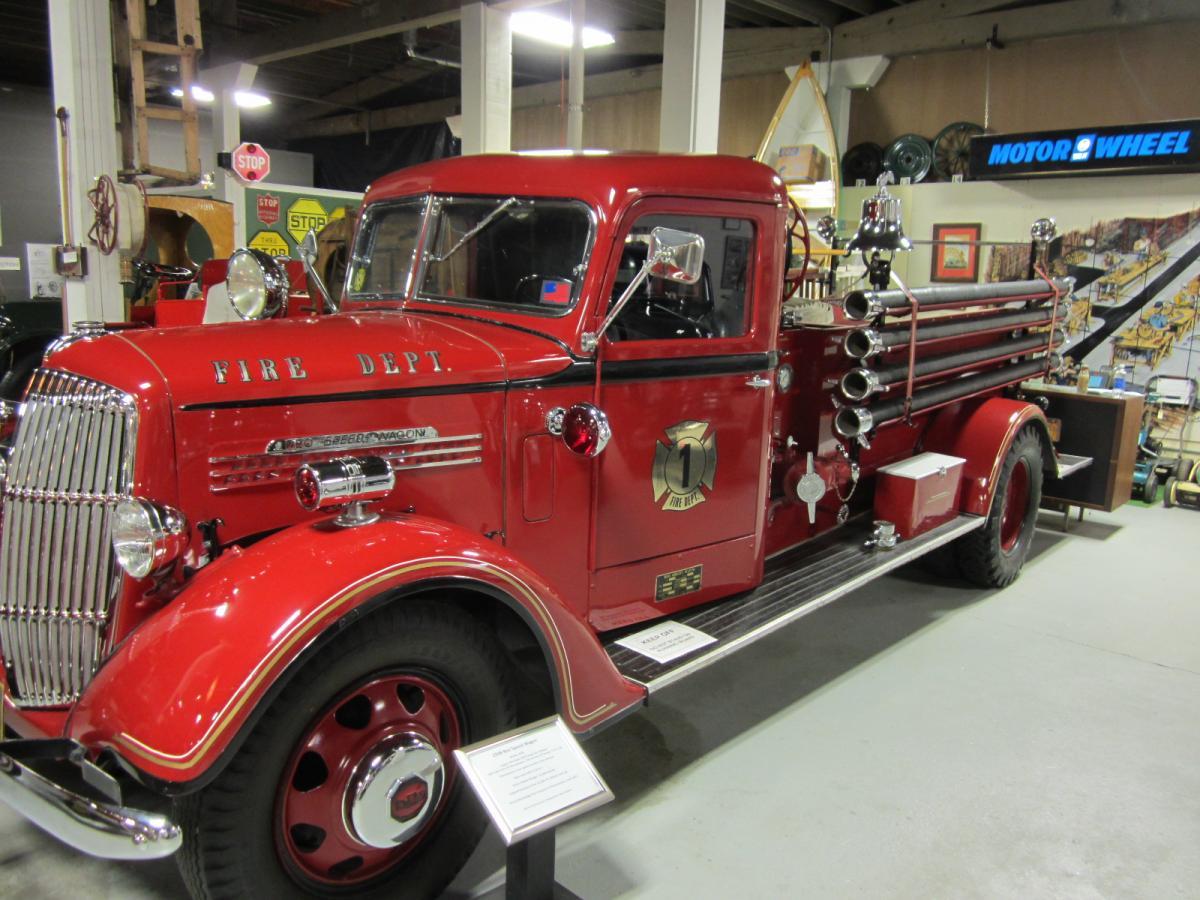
190,682
983,436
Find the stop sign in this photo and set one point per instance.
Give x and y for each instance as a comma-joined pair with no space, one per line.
251,162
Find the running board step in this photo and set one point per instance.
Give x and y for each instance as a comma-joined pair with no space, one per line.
795,584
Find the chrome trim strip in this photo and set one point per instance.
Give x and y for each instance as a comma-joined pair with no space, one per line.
400,467
217,460
892,560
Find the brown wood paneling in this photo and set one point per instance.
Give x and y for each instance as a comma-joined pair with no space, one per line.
1103,78
630,121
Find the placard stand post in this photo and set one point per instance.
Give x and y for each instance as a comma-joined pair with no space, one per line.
529,870
530,781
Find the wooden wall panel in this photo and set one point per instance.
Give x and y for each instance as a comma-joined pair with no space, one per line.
630,121
1103,78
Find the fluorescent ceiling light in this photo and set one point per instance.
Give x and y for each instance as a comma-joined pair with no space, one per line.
251,99
556,31
202,94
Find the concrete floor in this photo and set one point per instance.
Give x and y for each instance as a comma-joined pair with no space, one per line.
915,739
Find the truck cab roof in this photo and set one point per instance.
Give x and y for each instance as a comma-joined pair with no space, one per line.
607,182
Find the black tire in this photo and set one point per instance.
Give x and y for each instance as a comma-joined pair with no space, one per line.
1150,487
16,379
1183,469
233,846
1168,492
992,556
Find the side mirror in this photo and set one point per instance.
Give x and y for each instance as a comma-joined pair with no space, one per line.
673,254
306,251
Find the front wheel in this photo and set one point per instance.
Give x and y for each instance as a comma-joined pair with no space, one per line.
992,556
1169,492
1150,487
348,784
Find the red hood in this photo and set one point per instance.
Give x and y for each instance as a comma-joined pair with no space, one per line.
244,362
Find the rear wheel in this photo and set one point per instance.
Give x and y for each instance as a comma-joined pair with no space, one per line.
992,556
1183,468
348,784
1150,487
1169,492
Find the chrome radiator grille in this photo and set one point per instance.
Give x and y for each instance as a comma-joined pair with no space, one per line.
71,463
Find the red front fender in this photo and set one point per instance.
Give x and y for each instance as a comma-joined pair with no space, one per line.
982,435
179,690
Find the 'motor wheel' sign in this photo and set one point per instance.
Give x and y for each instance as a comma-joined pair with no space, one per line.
303,215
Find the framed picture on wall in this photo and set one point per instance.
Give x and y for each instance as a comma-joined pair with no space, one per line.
956,252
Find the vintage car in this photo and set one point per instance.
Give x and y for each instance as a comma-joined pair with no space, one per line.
258,581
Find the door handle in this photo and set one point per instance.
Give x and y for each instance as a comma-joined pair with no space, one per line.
759,382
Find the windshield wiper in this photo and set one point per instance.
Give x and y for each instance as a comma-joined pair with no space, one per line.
484,223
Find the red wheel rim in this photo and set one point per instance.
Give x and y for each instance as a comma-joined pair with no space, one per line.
384,717
1016,504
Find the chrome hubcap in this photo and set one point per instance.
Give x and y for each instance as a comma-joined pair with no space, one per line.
394,790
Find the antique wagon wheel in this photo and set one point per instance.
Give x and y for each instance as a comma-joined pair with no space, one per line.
952,149
863,161
103,197
909,156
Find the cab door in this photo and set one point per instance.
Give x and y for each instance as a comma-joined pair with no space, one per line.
686,382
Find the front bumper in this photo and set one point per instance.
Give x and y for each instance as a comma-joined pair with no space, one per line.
103,828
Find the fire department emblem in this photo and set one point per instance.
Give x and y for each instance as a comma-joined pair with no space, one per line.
683,465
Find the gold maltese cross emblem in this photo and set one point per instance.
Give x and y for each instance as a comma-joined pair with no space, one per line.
683,464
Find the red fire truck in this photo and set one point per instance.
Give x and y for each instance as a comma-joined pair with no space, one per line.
259,580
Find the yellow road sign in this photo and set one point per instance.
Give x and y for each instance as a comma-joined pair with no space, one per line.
304,214
270,242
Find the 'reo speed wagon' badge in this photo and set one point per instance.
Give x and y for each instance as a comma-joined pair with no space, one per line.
683,464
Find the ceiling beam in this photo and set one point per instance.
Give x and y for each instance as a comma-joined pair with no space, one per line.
748,54
1028,23
382,18
923,11
816,11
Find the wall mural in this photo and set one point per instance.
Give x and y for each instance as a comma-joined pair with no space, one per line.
1135,302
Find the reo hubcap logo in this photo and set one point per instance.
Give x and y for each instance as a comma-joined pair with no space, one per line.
408,799
684,464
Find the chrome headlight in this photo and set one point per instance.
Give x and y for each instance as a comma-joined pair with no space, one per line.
257,284
146,536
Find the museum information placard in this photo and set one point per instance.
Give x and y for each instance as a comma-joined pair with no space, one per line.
533,778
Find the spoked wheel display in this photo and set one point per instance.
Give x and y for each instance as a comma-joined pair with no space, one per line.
347,786
952,149
992,556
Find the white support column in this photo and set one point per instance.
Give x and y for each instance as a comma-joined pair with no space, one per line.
224,82
693,45
575,76
486,80
839,80
82,67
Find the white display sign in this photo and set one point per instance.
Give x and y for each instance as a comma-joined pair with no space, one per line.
10,264
667,641
43,280
532,779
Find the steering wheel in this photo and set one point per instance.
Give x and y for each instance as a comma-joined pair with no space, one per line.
701,330
146,272
798,229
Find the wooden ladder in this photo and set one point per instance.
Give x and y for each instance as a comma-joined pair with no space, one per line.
132,48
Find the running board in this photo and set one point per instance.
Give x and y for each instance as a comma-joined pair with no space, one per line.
795,584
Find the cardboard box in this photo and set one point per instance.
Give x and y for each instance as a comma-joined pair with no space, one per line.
800,164
920,493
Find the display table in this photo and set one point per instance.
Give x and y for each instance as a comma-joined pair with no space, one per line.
1103,425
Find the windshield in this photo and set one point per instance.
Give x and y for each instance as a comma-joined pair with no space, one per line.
512,252
382,264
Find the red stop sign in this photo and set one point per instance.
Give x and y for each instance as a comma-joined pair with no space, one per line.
251,162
